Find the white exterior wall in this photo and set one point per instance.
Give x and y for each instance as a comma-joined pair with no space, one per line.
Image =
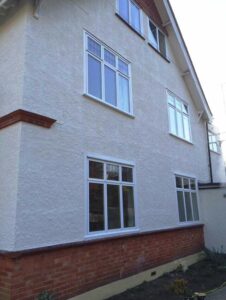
51,206
213,205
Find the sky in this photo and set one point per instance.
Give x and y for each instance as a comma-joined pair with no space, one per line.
203,25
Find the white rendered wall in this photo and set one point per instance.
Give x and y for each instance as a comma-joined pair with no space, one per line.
213,204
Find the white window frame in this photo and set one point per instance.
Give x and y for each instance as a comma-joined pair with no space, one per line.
182,113
141,31
190,177
158,44
213,140
103,64
121,163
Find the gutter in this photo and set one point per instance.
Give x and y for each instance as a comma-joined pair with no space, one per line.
209,154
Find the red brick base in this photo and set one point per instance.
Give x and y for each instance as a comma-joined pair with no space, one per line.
74,269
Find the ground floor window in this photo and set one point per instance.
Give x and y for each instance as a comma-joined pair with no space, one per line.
187,199
110,196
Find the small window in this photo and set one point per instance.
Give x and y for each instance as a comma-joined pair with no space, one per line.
179,121
214,143
131,13
111,196
187,199
157,38
108,75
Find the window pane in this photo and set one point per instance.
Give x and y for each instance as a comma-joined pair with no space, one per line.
181,208
135,16
171,99
123,93
94,77
110,85
193,185
186,183
178,105
195,207
124,9
185,108
162,43
113,207
186,128
188,206
180,130
112,172
96,207
172,117
179,182
153,35
128,206
127,174
109,57
96,170
123,67
94,47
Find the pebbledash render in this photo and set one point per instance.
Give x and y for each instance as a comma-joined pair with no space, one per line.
103,144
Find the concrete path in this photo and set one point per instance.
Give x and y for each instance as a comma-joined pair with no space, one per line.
218,295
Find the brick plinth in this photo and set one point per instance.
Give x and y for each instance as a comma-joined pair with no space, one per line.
70,270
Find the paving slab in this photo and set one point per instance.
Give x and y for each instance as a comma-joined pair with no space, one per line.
218,295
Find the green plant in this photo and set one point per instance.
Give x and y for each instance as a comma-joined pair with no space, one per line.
179,287
217,257
45,296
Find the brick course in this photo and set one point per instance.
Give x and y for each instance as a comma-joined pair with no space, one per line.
74,269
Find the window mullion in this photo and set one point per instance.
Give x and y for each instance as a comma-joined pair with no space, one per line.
121,207
129,5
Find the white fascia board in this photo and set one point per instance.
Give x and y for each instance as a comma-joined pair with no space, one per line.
192,73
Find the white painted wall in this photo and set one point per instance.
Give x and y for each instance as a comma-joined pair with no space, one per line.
213,204
51,188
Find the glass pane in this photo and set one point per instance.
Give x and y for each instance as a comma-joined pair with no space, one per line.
186,183
153,35
180,129
110,85
123,93
124,9
171,99
195,207
179,182
193,185
172,118
112,172
162,44
128,206
109,57
178,105
185,108
96,207
94,77
94,47
127,174
181,208
123,67
96,170
188,206
186,128
135,16
113,207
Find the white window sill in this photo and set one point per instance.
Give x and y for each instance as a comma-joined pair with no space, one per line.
215,152
109,105
190,223
181,139
99,235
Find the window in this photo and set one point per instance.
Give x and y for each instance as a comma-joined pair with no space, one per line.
178,117
187,199
213,142
108,75
157,38
111,196
131,13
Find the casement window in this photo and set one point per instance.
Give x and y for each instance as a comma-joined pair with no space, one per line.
108,75
157,38
131,13
179,121
213,142
110,196
187,199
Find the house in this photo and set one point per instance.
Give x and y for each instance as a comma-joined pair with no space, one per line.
103,143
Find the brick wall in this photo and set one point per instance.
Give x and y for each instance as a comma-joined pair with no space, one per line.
75,269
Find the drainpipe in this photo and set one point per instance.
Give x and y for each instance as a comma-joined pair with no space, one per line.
209,154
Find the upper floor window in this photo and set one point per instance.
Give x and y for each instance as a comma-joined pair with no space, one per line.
187,199
214,144
111,196
179,120
157,38
131,13
108,75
